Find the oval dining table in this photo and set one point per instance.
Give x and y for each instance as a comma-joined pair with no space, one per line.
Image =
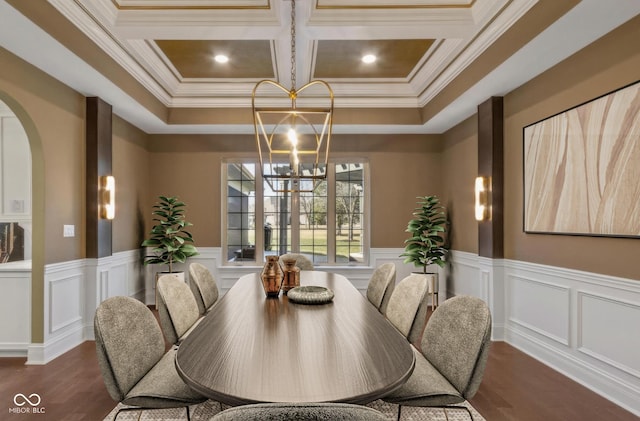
250,348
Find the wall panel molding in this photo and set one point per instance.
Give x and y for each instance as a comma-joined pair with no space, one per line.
548,314
227,275
15,310
73,290
601,325
598,314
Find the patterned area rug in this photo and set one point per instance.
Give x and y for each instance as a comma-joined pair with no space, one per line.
208,409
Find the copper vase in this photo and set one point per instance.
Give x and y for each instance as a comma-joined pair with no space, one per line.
271,277
291,274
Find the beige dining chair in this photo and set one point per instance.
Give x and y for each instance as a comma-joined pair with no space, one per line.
177,309
131,354
381,286
204,287
302,261
455,347
407,308
300,412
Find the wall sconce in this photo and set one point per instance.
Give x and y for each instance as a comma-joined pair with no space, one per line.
107,197
483,208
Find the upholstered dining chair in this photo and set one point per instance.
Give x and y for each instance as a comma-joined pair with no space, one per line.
302,261
204,287
300,411
454,351
407,308
381,285
131,354
177,308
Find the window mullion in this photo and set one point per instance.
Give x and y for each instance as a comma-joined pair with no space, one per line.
259,215
331,213
295,222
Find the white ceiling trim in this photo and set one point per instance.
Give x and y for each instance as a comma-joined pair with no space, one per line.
97,34
579,27
194,3
514,11
391,3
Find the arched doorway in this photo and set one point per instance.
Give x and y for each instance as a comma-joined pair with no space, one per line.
15,189
21,229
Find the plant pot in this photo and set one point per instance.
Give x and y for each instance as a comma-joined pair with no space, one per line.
179,275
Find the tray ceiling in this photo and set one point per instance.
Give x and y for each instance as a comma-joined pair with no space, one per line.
424,49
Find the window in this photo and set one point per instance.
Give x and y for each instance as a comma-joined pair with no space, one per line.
328,225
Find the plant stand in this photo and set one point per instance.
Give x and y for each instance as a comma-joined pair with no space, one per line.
433,289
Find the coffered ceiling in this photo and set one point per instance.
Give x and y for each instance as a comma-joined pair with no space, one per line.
153,60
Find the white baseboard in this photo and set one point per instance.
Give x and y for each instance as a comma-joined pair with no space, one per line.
39,354
579,323
576,322
18,350
73,291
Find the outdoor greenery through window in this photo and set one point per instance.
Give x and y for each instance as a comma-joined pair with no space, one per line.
327,225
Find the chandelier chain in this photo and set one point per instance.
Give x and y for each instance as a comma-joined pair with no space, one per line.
293,45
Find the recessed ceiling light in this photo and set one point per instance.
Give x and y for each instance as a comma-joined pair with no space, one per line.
368,58
221,58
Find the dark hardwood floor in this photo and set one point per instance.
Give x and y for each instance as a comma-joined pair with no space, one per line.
515,387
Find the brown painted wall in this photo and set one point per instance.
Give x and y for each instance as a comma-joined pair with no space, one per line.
58,116
131,171
460,168
606,65
402,167
53,116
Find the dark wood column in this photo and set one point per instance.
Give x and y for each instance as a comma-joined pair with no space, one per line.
98,162
491,164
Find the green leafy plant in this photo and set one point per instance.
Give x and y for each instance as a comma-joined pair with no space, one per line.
171,242
427,243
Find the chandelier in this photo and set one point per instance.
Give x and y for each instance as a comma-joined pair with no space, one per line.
293,141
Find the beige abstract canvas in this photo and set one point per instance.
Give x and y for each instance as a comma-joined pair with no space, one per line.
582,168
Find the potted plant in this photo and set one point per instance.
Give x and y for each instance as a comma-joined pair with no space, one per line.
170,241
427,244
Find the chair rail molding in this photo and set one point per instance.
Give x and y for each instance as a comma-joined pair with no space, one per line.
15,309
578,323
227,274
72,292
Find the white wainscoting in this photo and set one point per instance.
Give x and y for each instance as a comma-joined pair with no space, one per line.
582,324
227,275
72,292
15,309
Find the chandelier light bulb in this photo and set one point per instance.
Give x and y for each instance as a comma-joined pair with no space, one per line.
293,137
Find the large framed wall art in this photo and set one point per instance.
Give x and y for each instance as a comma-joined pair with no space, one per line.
582,168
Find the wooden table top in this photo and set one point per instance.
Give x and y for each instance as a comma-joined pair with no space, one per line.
250,348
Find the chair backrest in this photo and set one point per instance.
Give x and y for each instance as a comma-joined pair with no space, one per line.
302,261
203,285
128,343
177,307
300,411
456,342
381,286
409,299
